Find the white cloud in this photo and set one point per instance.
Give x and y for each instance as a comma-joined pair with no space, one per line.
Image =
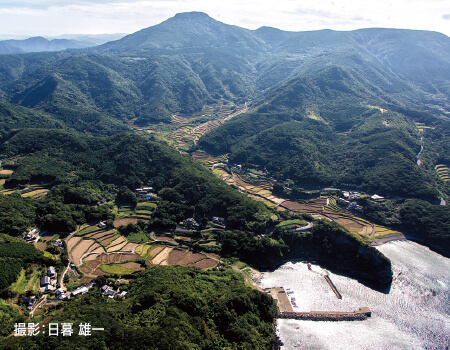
24,17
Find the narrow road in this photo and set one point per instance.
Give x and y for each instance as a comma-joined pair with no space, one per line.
247,278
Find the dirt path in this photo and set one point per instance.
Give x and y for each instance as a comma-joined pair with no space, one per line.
61,281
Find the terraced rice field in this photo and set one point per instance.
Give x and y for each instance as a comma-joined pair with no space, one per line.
142,249
175,255
443,172
191,258
128,257
117,246
161,258
421,126
36,194
132,266
72,242
204,264
80,249
154,251
126,221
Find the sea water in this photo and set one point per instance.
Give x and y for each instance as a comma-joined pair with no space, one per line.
415,314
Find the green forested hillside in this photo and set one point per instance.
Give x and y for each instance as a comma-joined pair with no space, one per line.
13,117
321,131
81,170
168,308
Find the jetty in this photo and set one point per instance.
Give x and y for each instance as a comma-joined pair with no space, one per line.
359,315
333,287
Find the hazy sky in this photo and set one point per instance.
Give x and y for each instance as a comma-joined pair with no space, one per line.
55,17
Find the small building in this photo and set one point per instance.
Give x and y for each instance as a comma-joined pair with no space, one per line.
105,289
346,194
45,281
376,197
51,272
101,224
354,206
47,288
31,235
102,201
111,293
60,294
79,290
218,220
29,302
191,223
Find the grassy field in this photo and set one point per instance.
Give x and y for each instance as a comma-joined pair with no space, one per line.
292,222
116,269
19,286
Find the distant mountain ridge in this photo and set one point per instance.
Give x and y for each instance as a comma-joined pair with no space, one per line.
39,44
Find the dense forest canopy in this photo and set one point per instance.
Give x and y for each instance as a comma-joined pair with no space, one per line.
168,308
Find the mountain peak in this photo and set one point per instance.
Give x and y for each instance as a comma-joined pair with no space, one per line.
192,15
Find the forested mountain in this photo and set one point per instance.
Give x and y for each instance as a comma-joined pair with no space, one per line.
192,59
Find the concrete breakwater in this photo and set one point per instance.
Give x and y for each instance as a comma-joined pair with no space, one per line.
359,315
333,287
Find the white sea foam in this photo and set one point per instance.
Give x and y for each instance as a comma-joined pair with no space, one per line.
414,315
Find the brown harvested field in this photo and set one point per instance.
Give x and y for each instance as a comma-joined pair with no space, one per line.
2,182
118,240
6,172
162,256
313,206
164,238
93,264
129,257
47,237
92,248
71,242
108,239
213,255
126,221
117,247
99,272
205,263
129,247
100,235
191,258
132,265
104,258
80,249
175,255
91,256
154,251
86,269
41,245
109,258
85,279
